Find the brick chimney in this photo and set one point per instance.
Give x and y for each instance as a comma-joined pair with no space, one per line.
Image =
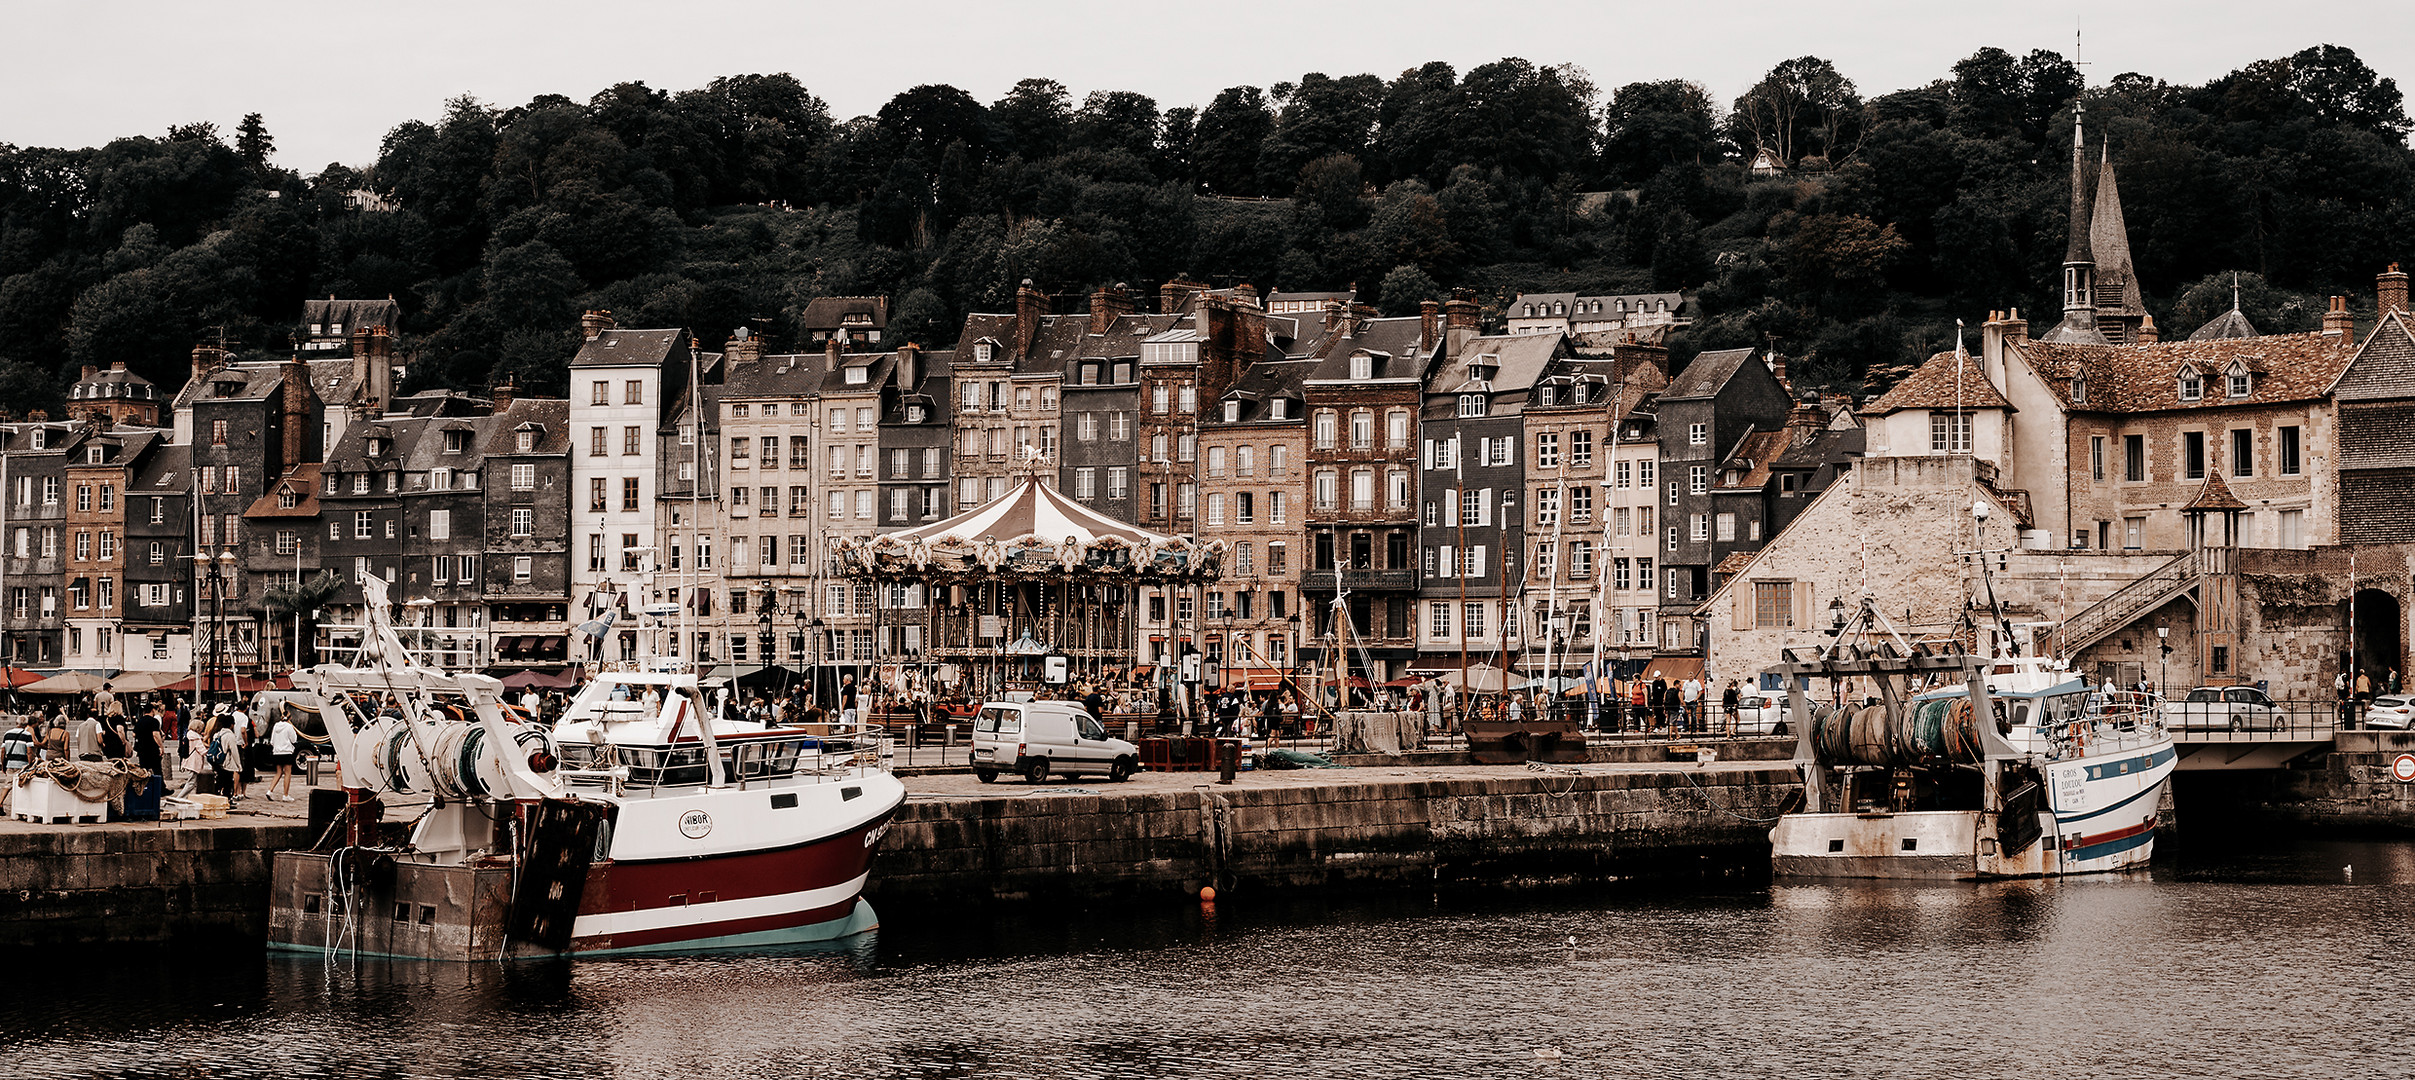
90,371
1107,304
1333,315
593,324
2147,333
373,364
1174,297
909,366
206,359
1031,306
1429,320
744,347
2337,322
294,404
2391,288
504,392
1461,318
1360,316
830,353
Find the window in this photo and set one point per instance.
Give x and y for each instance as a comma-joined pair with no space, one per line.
1471,405
50,490
2192,454
1440,626
217,434
1547,451
628,493
1159,397
1215,463
1186,499
1643,474
1725,527
2239,384
1245,509
633,392
2289,451
1117,484
1949,433
1362,368
1186,447
629,440
1701,527
1580,448
1773,603
523,567
1396,429
1621,475
1327,423
2292,522
2134,533
1274,506
1362,489
2096,457
1475,620
1119,426
1362,429
524,478
1397,489
1580,505
2243,452
2134,457
1245,461
595,494
1215,508
1697,479
364,525
524,520
2192,386
1276,555
599,392
1328,488
1085,483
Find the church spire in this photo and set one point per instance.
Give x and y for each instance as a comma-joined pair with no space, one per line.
2079,260
2119,306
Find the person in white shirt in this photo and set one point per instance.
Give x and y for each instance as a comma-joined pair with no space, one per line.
282,741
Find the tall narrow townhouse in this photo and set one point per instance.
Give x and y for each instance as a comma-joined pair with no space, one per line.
689,520
1623,564
248,422
285,547
1571,421
1707,410
850,411
1473,420
621,385
96,472
33,470
159,568
1254,442
914,439
528,559
772,571
1004,385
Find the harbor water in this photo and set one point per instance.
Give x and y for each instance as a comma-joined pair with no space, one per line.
2267,957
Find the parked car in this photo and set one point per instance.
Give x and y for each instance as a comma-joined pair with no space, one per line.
2222,708
1760,712
2393,711
1037,738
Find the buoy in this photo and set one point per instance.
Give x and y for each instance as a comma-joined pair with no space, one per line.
1207,894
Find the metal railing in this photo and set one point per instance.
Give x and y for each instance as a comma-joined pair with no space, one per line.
2125,605
2288,720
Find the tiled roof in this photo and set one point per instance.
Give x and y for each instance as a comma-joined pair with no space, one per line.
1735,562
552,417
2229,324
2215,495
830,312
1521,360
1759,450
2145,378
349,314
2384,367
1937,385
304,480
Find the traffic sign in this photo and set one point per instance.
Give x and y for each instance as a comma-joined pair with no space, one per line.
2402,769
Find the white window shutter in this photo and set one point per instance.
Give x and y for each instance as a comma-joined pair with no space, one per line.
1450,561
1475,561
1484,507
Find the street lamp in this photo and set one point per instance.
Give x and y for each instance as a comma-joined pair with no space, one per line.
215,572
810,625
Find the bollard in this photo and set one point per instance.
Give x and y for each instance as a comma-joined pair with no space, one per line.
1228,759
314,770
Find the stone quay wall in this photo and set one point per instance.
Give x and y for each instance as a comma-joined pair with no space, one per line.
1520,829
90,884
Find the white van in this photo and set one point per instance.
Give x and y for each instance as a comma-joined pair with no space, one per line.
1036,738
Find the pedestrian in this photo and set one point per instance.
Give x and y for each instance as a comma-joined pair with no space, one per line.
847,700
55,742
281,744
1517,712
150,744
228,761
1691,691
17,748
1639,694
201,775
2339,692
2390,682
87,739
1728,700
2364,692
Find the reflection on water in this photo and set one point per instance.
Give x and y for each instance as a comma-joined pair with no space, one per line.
2266,958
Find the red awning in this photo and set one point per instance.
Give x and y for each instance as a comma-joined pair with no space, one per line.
220,684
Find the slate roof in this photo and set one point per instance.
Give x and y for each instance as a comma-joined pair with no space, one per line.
350,314
629,348
1523,358
2384,367
2109,238
787,375
1933,386
1761,449
2145,378
2229,324
550,414
1266,380
830,312
166,471
1707,374
258,380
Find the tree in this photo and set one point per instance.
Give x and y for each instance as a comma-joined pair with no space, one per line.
252,142
1647,126
1405,287
302,603
1803,107
1231,134
1112,121
1034,119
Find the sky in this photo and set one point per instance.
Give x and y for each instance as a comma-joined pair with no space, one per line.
331,78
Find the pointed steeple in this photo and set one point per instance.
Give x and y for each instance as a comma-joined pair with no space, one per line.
2229,324
2079,262
2117,295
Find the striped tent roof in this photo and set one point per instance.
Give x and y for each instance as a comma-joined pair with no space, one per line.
1031,509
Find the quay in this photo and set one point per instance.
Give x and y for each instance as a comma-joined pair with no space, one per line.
1420,823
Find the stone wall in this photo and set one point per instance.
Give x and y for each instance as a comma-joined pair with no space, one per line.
2349,787
1500,829
138,883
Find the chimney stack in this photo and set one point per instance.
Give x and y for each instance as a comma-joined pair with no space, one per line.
1333,315
1461,318
206,359
593,324
2391,288
1031,306
909,366
2337,322
1429,320
744,347
830,353
1106,304
504,392
295,403
1360,316
2147,333
373,365
1174,297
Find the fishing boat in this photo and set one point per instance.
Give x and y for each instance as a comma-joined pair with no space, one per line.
1962,766
644,820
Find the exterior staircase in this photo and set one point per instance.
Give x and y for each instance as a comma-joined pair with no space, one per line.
2131,602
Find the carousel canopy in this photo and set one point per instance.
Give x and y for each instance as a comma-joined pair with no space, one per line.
1032,509
1033,531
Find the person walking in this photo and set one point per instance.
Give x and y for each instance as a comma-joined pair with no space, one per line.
150,744
1728,700
847,700
2364,693
282,739
228,761
2390,682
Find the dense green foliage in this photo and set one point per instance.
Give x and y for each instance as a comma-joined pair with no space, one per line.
739,202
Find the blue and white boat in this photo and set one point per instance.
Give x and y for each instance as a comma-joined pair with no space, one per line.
2044,777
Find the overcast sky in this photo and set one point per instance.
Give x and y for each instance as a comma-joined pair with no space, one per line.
331,78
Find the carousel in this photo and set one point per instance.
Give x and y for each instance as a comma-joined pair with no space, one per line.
1026,590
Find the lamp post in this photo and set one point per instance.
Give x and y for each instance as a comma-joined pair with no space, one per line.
215,571
763,612
813,626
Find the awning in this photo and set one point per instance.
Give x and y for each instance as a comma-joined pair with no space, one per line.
223,683
136,682
73,682
1675,669
1252,678
541,680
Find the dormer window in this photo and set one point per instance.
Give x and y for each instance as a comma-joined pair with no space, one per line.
2240,385
287,500
1279,409
858,376
913,414
1471,405
456,441
1548,396
1090,374
1362,368
2192,386
377,447
525,442
2079,389
981,352
41,438
1232,412
1576,394
92,455
328,484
